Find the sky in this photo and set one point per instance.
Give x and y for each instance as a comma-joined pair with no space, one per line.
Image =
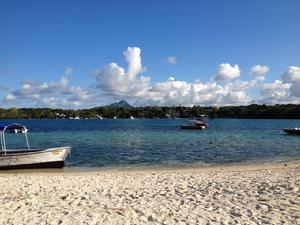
81,54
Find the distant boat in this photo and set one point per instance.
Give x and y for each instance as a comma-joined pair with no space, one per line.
197,124
29,158
292,130
131,117
115,117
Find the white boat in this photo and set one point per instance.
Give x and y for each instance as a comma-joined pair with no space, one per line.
131,117
29,158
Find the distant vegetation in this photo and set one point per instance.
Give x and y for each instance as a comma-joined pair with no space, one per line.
251,111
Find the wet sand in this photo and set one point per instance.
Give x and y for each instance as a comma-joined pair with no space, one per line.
243,194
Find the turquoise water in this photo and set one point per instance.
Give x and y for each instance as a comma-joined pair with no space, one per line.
146,142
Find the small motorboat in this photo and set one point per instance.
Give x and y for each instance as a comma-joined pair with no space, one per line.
29,158
292,130
197,124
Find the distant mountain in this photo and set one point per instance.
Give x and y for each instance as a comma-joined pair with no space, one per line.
120,104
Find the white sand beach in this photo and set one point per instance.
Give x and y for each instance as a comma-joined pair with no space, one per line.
253,194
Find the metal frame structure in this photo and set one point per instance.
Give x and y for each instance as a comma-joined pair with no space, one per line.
13,126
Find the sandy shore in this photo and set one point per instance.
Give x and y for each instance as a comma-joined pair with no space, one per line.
253,194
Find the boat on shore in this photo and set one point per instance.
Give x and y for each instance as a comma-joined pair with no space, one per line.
29,158
295,131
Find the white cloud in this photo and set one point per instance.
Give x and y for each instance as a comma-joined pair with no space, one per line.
171,92
259,71
34,89
171,60
214,94
275,90
291,75
227,72
240,85
295,89
77,94
50,94
133,57
9,98
115,82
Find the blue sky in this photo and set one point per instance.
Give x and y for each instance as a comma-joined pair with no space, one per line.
40,39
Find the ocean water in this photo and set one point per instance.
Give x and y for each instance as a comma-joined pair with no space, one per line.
150,142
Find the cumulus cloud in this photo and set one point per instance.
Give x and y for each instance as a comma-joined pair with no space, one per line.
131,84
9,97
50,94
77,94
275,90
240,85
115,81
34,90
283,91
171,60
295,89
227,72
291,75
118,82
133,57
259,71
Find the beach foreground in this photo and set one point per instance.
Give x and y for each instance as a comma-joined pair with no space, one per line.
257,194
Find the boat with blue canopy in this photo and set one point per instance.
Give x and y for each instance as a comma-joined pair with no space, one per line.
27,157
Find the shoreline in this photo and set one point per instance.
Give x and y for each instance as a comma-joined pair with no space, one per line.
243,166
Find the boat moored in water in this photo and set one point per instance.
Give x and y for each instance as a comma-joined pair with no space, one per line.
197,124
29,158
292,130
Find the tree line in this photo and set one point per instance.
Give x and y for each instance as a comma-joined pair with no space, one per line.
254,111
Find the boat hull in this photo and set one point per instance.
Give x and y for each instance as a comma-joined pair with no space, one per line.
58,164
42,158
292,131
188,127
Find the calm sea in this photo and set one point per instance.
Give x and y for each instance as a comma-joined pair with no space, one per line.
147,142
